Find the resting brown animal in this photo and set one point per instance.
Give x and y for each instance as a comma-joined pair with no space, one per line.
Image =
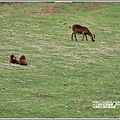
13,60
22,60
78,29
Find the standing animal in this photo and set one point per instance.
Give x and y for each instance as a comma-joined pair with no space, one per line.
13,60
78,29
22,60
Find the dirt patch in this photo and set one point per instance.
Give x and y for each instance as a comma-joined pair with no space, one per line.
75,101
99,5
46,11
63,23
11,4
6,5
42,95
45,95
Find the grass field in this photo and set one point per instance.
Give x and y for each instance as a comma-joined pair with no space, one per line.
63,77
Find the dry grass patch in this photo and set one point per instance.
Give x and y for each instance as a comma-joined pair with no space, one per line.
45,11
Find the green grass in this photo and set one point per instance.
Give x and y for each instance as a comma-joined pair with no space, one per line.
64,71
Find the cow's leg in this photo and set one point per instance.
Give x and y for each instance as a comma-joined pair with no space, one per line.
83,37
72,36
75,36
86,37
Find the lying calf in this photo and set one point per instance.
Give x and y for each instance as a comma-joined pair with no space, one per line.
22,60
13,60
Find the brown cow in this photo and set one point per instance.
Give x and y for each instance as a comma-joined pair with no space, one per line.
78,29
22,60
13,60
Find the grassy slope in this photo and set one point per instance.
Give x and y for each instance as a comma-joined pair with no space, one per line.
62,69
